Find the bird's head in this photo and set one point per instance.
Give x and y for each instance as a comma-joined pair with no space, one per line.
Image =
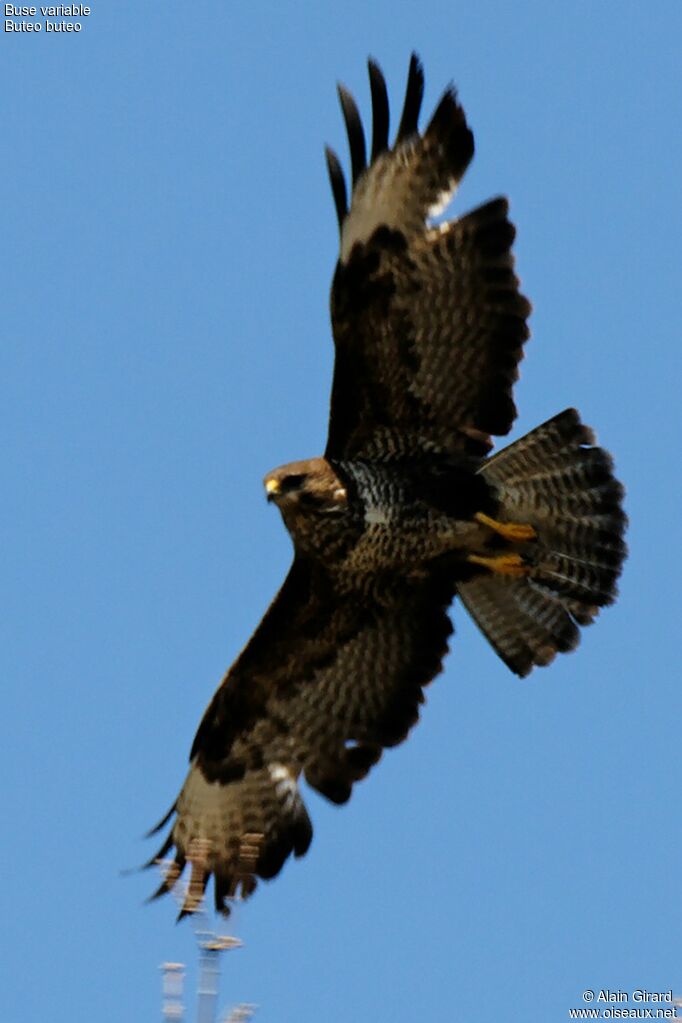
311,487
312,500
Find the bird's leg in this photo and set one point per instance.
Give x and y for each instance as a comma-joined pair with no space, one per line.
512,531
502,564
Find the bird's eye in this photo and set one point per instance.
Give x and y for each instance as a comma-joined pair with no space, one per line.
293,482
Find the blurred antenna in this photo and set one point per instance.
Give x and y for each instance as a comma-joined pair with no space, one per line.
242,1014
211,945
172,991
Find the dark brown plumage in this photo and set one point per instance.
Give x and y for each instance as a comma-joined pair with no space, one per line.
402,513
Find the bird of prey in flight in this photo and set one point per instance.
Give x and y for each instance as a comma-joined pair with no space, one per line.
405,511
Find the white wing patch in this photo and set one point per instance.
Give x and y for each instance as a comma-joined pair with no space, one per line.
388,196
285,782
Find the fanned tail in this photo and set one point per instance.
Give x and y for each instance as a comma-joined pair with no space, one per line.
558,481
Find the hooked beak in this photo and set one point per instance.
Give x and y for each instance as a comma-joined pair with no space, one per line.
272,489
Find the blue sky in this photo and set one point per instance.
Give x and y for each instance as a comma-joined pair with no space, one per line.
169,239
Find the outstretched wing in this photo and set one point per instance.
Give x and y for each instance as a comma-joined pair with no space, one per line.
327,681
428,320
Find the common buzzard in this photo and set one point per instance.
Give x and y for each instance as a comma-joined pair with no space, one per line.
404,511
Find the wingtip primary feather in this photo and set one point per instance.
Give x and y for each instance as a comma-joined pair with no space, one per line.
380,109
338,183
355,131
162,852
449,126
414,95
172,875
162,823
162,890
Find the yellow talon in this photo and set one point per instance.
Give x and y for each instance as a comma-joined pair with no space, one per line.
503,564
514,531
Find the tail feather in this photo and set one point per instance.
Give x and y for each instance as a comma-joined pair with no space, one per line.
558,481
525,625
